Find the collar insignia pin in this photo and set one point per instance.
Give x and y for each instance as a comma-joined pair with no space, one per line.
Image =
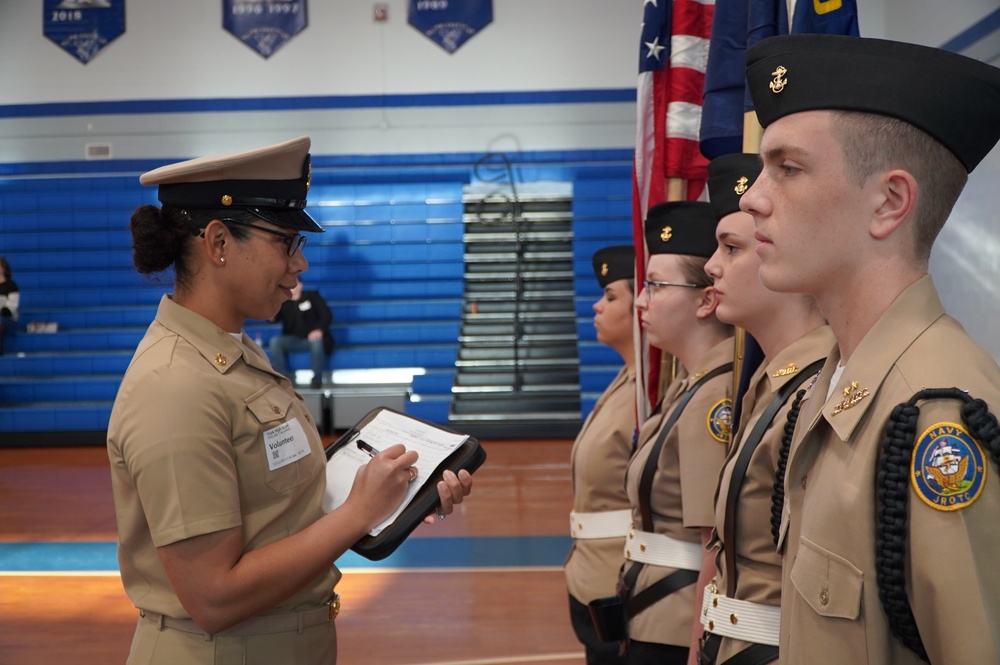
220,360
852,395
786,371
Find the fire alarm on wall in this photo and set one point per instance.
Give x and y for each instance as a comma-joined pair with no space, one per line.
381,12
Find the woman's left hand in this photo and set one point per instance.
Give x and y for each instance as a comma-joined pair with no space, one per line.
452,489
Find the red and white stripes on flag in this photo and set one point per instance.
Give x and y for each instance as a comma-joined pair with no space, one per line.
673,53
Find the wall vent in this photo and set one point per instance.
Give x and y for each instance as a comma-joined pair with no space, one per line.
98,151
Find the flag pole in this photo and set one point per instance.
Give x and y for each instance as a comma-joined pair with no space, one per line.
752,134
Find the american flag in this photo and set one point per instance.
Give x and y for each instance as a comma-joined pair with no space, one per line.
673,53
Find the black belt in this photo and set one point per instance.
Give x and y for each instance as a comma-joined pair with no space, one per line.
755,654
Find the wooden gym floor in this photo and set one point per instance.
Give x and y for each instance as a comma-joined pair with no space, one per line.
484,587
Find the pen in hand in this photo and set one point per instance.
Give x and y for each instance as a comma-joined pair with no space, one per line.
364,447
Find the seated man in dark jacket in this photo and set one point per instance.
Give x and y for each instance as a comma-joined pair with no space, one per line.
305,326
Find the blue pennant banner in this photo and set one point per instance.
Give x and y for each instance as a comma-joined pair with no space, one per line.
264,25
83,27
450,23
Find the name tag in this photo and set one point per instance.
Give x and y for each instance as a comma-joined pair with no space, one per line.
285,444
305,305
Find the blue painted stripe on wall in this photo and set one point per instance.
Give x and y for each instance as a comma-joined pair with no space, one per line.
441,165
138,107
975,32
479,552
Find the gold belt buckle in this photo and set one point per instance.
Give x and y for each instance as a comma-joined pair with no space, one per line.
334,606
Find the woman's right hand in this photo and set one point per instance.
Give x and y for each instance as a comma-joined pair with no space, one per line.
380,485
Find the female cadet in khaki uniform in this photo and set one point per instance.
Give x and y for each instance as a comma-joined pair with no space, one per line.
892,499
217,469
740,610
601,513
671,489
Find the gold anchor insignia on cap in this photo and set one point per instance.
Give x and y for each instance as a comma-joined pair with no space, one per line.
853,395
741,185
227,200
604,270
666,234
779,82
220,360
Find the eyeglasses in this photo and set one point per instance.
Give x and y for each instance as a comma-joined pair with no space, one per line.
294,241
652,287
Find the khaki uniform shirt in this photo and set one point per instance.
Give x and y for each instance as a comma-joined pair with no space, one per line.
758,565
598,459
197,418
830,610
683,487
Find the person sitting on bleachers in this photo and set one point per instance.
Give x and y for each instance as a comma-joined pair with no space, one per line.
305,326
9,299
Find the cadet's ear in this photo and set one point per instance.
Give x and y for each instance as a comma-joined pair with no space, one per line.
707,302
900,191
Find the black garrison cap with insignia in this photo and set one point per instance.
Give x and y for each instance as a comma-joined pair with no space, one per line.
729,177
614,263
681,227
953,98
269,182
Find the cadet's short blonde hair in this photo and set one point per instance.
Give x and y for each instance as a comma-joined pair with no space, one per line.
874,143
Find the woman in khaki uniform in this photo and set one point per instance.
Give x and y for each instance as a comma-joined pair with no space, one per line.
741,606
891,499
601,513
217,469
681,447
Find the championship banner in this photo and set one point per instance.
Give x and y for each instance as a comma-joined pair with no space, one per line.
83,27
450,23
264,25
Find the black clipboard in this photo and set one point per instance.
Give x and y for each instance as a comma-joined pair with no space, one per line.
469,456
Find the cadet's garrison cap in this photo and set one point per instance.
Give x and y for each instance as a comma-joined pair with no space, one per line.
953,98
729,177
681,227
614,263
269,182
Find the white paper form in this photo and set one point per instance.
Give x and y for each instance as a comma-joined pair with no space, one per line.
387,429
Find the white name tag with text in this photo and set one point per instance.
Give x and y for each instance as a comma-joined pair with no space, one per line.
285,444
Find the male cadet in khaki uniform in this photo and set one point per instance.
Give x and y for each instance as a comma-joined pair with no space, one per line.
679,456
888,553
740,609
601,513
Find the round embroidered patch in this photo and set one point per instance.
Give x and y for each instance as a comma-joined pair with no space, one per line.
720,420
948,469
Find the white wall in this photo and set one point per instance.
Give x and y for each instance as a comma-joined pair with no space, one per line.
178,49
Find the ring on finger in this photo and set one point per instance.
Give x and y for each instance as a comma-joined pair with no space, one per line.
413,473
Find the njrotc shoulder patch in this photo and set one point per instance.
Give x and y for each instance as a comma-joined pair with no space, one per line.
720,420
948,469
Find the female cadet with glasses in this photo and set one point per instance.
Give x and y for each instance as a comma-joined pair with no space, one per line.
218,470
795,340
672,475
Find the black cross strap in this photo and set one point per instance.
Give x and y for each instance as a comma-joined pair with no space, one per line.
743,462
680,578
